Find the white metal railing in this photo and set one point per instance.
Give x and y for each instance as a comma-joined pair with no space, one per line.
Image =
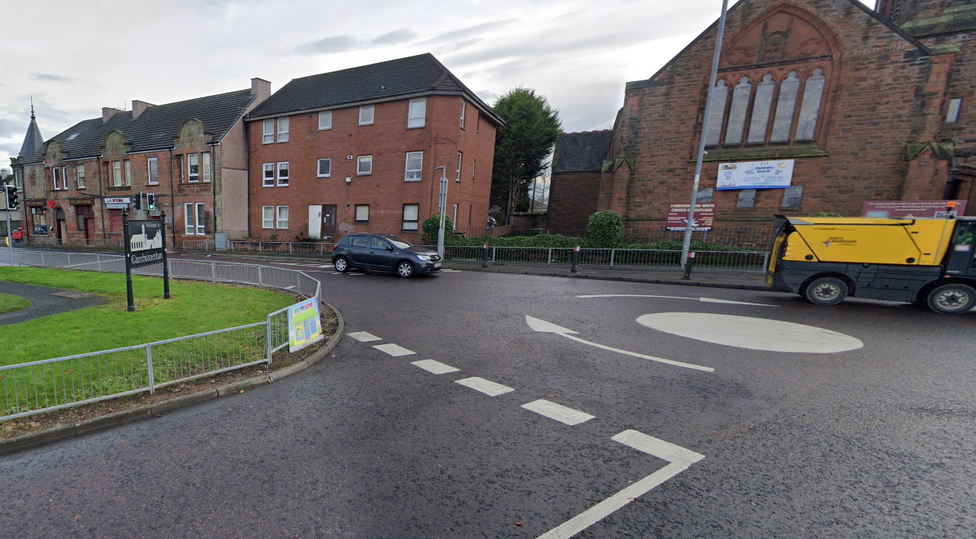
50,384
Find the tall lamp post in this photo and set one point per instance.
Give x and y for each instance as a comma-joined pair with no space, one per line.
690,225
442,209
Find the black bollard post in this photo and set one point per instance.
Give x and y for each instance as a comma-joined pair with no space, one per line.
576,257
484,257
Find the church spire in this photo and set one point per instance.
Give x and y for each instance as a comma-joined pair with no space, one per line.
33,141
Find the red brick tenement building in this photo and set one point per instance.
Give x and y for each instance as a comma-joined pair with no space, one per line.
188,159
357,149
859,105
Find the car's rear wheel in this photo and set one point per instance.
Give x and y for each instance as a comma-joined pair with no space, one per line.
952,299
405,269
341,265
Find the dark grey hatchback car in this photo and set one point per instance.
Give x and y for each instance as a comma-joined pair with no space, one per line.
383,253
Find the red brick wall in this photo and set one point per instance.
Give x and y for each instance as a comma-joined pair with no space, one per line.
871,112
385,191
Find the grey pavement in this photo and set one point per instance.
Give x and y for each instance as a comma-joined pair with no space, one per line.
44,301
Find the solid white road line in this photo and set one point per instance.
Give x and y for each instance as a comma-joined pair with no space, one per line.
558,412
363,336
548,327
435,367
485,386
394,350
682,459
702,300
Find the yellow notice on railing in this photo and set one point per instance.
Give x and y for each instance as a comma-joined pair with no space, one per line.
304,327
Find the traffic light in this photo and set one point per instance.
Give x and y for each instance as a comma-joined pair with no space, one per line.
151,201
12,203
138,202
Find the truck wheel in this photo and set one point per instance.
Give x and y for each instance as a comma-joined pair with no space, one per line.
826,291
952,299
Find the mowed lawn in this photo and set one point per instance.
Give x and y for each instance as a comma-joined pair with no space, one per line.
193,308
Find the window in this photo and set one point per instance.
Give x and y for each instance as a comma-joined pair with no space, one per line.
267,216
128,172
454,218
56,176
324,168
206,166
457,173
364,165
283,174
366,115
80,175
464,107
282,217
359,241
269,177
362,213
201,220
193,167
153,166
117,173
411,213
415,162
952,115
268,132
195,219
325,120
474,167
417,113
283,129
18,180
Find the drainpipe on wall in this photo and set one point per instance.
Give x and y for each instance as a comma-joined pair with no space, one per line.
101,195
172,196
213,185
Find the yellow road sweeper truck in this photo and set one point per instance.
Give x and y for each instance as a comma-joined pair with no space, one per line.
929,262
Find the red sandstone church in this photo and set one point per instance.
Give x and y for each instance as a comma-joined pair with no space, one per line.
847,104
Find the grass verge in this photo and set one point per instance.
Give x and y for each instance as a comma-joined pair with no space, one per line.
9,304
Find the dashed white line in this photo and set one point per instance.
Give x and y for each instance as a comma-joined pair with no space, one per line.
558,412
668,451
363,336
435,367
485,386
394,350
702,300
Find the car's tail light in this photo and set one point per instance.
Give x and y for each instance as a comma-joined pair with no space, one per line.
334,247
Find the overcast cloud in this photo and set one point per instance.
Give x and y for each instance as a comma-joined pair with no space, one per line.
74,58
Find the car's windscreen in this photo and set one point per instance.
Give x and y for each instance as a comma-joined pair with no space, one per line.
399,243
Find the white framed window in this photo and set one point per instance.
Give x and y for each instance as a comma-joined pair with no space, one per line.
364,165
325,120
56,176
283,174
366,115
362,213
128,172
117,173
411,214
417,113
190,224
283,129
152,164
269,175
206,166
324,169
415,163
474,167
193,167
267,132
464,108
80,175
18,180
267,216
201,220
457,173
282,220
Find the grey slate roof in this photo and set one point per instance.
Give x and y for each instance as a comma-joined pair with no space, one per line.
33,141
375,82
581,152
156,127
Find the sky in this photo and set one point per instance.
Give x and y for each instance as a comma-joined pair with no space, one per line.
73,58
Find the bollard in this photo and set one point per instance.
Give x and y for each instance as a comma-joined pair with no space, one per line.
576,256
688,264
484,257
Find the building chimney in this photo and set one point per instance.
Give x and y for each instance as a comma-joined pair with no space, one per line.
108,112
261,90
138,107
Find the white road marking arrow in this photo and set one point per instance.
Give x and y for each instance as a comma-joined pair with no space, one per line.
548,327
702,300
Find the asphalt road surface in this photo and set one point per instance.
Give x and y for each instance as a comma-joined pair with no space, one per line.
485,405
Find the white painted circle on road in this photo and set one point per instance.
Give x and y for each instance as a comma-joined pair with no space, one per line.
751,333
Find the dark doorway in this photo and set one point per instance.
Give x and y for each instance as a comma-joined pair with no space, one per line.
328,220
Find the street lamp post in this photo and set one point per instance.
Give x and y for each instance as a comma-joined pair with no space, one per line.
690,225
442,209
